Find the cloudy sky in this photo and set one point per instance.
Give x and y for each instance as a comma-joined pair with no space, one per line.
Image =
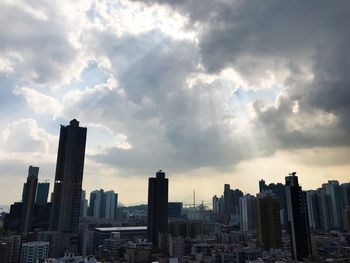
211,91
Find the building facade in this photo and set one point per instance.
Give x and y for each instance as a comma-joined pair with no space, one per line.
68,183
298,223
157,207
29,191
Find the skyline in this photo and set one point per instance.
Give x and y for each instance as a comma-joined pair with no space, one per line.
212,93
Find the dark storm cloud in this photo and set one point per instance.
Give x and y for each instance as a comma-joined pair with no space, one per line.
256,37
302,44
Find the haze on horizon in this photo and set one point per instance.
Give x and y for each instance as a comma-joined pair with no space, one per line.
211,91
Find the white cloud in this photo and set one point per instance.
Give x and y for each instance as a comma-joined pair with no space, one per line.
23,139
39,102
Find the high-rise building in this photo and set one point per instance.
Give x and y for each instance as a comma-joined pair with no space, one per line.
262,186
334,190
319,213
83,205
218,204
247,207
157,207
280,192
29,191
42,192
109,205
68,182
268,224
95,203
231,204
103,204
298,223
33,252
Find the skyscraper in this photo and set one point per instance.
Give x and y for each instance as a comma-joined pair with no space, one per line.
157,207
334,191
247,208
28,195
83,204
109,205
298,223
280,192
231,204
68,179
268,225
42,192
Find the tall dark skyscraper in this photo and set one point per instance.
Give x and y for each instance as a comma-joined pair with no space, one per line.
42,193
28,197
298,223
68,179
157,207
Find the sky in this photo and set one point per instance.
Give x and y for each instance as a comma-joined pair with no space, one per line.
210,91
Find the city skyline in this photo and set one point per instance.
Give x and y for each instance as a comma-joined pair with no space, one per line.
222,92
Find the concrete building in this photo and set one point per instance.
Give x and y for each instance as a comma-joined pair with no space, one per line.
14,242
42,192
32,252
29,191
334,190
247,208
68,183
54,239
157,207
298,223
268,224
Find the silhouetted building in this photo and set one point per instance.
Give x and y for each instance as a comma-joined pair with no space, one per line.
262,186
42,193
298,223
157,207
280,191
174,209
231,204
12,219
268,225
41,216
29,191
68,182
4,251
218,204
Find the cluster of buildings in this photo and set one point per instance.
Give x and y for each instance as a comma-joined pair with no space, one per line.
282,223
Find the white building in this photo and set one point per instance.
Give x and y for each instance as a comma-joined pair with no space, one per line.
33,251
